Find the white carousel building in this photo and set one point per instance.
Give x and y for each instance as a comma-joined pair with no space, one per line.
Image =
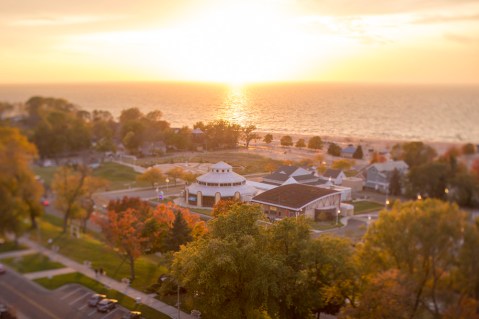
219,183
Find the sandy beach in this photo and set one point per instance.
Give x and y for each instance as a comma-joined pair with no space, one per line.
375,144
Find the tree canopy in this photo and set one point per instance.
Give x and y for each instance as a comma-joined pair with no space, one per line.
20,192
315,143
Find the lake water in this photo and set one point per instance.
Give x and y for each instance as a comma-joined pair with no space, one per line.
429,113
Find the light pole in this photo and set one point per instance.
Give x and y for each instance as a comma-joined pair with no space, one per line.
386,203
178,297
167,181
337,216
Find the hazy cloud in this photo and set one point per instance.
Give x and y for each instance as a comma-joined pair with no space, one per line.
450,18
458,38
59,20
377,7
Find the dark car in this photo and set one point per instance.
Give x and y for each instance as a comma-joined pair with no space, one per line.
95,299
133,315
7,312
106,305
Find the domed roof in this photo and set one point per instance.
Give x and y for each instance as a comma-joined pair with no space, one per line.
221,165
221,173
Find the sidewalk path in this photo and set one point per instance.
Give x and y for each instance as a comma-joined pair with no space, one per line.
107,281
17,253
48,273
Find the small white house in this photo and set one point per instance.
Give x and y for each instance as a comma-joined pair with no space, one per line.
334,175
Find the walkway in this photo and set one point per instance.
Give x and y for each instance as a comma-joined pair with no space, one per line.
107,281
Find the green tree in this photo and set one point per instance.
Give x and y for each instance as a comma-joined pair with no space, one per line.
233,255
179,234
315,143
69,187
288,243
175,173
468,149
334,149
249,134
20,192
268,138
103,129
429,179
395,183
286,140
91,185
331,274
419,239
358,153
221,134
415,153
466,276
152,175
300,143
464,189
343,164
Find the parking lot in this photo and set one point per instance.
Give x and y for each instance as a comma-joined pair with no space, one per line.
76,297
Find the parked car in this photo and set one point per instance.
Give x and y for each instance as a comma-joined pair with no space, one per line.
95,299
7,312
133,315
2,269
106,305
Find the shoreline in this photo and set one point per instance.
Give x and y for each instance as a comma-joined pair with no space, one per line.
378,144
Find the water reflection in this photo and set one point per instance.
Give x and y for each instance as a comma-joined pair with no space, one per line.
235,106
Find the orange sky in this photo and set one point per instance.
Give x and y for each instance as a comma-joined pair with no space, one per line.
405,41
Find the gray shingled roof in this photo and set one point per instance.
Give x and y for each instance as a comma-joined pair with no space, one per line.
333,173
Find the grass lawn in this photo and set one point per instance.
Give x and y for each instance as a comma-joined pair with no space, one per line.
202,211
32,263
94,285
119,176
362,207
242,162
11,246
90,247
45,173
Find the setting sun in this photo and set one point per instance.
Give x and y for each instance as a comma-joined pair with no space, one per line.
239,42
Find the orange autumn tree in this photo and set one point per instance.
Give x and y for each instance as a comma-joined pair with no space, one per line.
124,231
133,227
179,232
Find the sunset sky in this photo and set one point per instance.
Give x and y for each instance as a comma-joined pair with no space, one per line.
401,41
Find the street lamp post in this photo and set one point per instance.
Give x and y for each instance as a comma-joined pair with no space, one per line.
178,297
337,216
167,181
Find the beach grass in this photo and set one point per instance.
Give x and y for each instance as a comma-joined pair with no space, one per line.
32,263
78,278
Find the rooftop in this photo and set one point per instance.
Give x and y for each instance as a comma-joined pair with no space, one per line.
293,196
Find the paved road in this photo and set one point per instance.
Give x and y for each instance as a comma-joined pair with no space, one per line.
32,301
